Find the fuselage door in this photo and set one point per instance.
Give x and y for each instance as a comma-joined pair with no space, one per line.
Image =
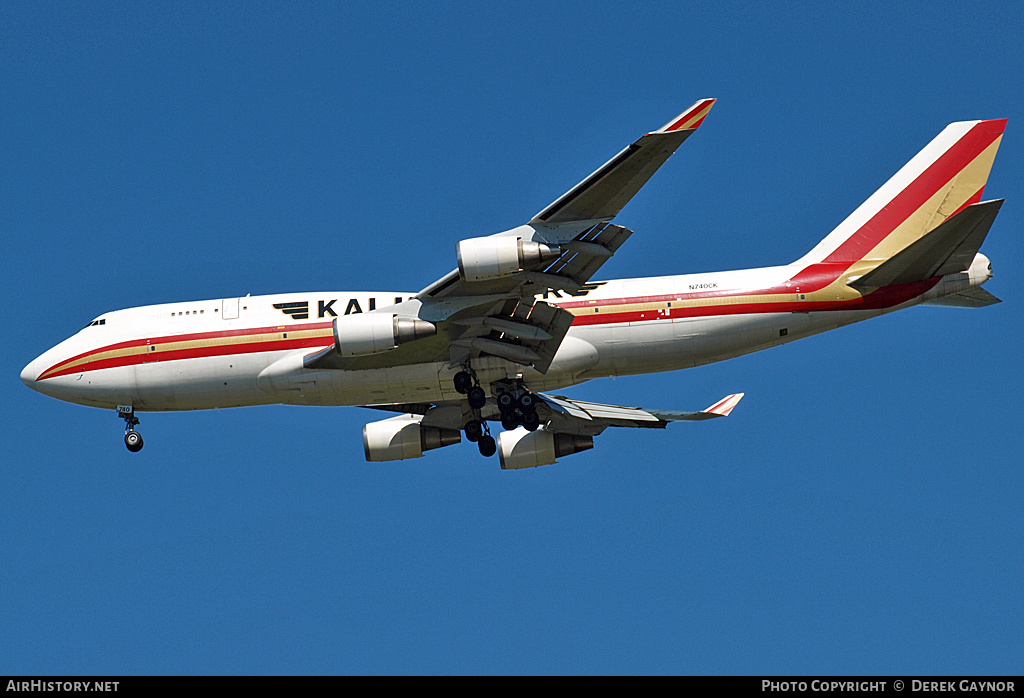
229,309
150,355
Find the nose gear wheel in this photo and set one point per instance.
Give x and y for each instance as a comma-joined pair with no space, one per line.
132,439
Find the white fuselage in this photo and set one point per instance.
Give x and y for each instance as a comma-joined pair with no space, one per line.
249,351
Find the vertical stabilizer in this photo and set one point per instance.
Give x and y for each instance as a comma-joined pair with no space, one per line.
948,175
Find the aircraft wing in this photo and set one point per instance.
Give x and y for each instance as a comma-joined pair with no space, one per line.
563,414
603,194
567,426
498,313
579,417
501,317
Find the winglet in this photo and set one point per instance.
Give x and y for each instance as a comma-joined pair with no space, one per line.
690,119
723,407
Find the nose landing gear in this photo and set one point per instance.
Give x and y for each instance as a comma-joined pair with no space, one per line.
132,438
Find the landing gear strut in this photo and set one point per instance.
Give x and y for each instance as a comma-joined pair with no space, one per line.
476,429
132,438
466,384
516,404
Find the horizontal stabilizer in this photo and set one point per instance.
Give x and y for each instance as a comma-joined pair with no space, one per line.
949,249
974,297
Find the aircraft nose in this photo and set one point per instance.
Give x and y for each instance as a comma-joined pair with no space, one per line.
29,375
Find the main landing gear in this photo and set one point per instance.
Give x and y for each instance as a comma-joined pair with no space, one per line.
132,438
516,404
478,431
467,384
476,428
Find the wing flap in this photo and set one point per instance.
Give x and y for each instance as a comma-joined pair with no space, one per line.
527,331
590,249
524,331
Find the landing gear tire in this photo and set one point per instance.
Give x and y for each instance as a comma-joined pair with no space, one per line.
530,420
133,441
477,397
474,430
509,421
132,438
463,382
527,402
487,446
506,402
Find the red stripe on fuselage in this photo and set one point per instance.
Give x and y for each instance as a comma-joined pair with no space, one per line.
191,352
880,299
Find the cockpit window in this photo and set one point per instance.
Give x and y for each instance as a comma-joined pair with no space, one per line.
94,323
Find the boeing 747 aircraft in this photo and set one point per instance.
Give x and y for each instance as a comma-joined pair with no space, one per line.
520,316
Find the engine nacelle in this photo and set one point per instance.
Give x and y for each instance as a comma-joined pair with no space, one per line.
373,333
404,437
481,259
528,449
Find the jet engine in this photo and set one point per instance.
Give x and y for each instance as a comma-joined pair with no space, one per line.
528,449
403,437
481,259
373,333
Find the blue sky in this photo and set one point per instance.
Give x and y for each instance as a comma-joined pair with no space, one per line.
859,513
